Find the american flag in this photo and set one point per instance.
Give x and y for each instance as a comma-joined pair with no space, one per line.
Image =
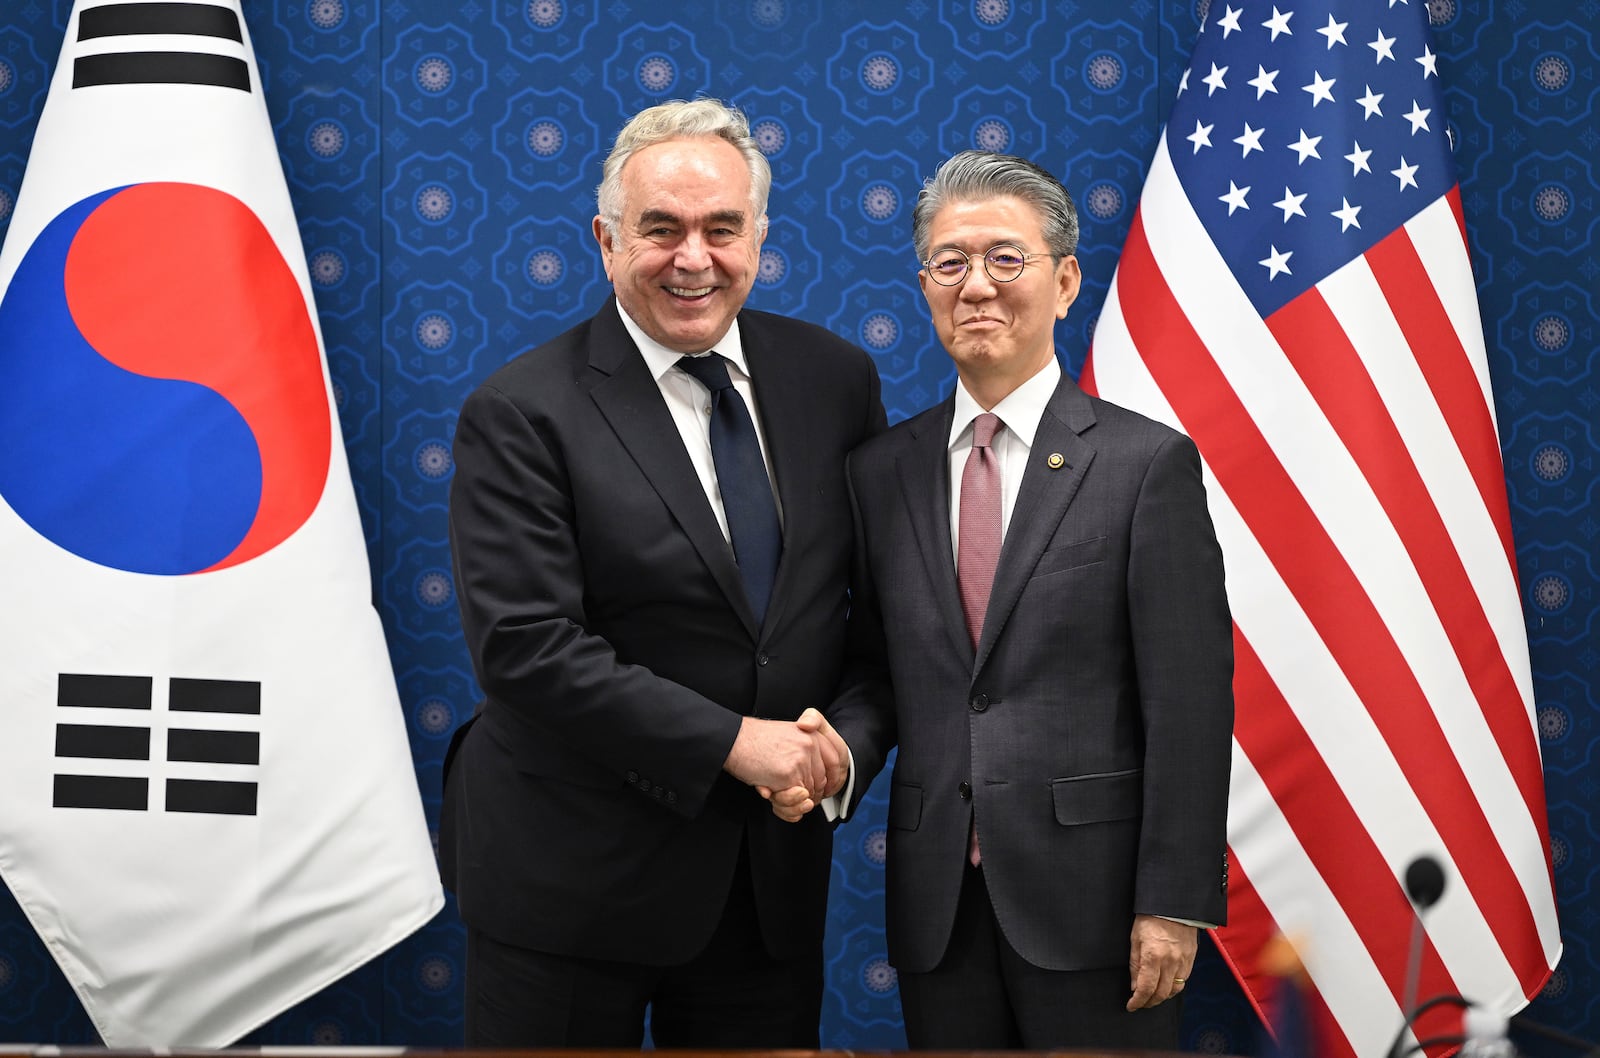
1296,295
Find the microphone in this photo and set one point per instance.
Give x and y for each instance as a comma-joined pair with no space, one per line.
1483,1033
1424,885
1424,882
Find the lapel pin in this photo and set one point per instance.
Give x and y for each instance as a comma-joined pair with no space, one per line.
1055,461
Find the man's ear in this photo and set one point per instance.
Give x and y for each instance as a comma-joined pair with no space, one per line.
1069,280
602,235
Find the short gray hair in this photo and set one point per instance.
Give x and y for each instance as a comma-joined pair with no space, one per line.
679,119
973,176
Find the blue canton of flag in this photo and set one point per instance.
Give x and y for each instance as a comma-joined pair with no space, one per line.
1305,137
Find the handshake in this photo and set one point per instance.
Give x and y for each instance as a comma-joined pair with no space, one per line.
793,764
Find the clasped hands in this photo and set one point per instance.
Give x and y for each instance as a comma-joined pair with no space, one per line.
793,764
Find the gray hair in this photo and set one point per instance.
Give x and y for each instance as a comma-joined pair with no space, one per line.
678,119
973,176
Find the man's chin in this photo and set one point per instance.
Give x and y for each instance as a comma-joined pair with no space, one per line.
695,338
972,352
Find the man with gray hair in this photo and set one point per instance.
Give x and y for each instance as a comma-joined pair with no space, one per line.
652,543
1043,568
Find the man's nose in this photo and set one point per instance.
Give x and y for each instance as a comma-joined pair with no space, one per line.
976,284
694,255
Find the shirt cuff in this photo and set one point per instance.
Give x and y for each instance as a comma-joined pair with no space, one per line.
837,807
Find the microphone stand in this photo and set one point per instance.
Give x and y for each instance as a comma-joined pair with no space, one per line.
1424,884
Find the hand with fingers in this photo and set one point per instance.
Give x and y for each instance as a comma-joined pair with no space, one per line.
792,804
776,755
789,805
1160,959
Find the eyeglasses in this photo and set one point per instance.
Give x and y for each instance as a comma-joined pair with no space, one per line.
1003,263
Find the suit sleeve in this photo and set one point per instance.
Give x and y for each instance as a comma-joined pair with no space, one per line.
863,712
1183,656
520,582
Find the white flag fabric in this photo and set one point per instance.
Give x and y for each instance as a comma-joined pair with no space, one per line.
1296,295
210,810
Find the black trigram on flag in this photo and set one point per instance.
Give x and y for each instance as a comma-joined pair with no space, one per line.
188,700
117,21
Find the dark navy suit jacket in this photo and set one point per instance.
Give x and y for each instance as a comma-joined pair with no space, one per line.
586,812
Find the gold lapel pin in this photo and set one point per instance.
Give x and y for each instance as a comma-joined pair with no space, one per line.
1055,461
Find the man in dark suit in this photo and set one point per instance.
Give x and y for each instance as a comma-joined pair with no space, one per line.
1044,569
652,557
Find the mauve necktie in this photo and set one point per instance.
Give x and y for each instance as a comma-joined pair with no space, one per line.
742,479
978,546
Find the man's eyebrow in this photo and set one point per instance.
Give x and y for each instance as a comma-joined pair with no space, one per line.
721,216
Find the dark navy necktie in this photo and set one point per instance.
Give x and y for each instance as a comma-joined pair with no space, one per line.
742,479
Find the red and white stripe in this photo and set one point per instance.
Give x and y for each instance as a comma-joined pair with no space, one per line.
1384,697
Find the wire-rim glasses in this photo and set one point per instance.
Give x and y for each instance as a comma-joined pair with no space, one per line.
1003,264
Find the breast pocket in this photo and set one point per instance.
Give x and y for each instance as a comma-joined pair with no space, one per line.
1070,556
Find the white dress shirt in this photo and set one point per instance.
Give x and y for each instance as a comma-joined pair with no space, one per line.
1020,412
689,402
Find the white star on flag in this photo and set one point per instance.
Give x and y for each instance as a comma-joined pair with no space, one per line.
1215,79
1383,47
1290,204
1262,81
1276,264
1279,23
1321,90
1418,118
1334,31
1249,141
1306,146
1358,160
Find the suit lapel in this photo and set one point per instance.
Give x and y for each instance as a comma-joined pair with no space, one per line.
631,402
924,473
1042,499
779,379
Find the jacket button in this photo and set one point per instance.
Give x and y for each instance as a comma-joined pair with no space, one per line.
980,702
966,791
761,658
633,778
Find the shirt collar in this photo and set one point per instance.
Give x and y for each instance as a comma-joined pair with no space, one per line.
660,359
1021,409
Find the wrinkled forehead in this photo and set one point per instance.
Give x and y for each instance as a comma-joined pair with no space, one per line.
707,168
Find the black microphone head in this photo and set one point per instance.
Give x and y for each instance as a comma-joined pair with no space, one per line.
1424,881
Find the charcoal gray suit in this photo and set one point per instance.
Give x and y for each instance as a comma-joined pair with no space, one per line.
1089,733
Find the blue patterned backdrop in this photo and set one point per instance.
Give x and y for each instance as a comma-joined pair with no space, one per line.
442,155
